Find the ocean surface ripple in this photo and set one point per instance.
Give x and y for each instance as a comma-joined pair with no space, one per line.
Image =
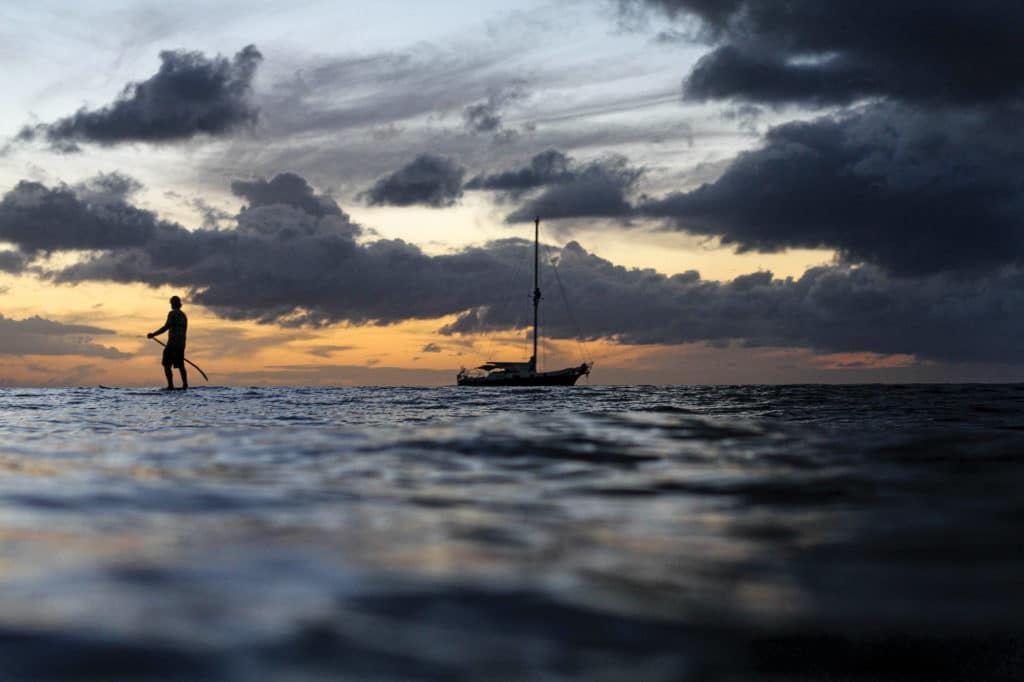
591,533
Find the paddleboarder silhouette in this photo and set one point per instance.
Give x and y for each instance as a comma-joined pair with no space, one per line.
174,352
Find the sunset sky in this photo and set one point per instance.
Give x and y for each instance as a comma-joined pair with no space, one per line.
740,191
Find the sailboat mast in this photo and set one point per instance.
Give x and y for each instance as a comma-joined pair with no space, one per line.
536,285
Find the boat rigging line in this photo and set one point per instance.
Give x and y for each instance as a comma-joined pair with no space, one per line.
580,342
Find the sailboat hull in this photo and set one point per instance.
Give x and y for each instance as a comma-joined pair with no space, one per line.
562,377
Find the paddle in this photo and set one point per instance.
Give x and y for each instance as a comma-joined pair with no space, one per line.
186,359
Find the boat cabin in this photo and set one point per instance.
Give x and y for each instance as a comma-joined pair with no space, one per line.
498,371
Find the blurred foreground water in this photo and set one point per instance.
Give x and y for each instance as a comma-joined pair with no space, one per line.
590,533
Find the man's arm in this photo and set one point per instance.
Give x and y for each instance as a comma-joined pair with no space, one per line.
162,329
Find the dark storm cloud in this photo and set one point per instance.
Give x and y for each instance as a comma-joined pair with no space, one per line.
12,261
913,192
935,52
288,189
39,336
597,189
280,264
38,218
284,265
428,180
922,177
570,189
923,184
191,94
547,168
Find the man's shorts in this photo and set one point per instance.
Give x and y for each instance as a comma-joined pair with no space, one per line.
174,356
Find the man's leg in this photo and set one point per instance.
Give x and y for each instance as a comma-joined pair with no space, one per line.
184,377
170,378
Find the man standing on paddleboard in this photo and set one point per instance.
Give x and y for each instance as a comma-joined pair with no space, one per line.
174,351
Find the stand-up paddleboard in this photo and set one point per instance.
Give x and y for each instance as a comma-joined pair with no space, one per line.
158,390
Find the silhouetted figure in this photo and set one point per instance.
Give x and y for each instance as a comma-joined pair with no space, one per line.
174,352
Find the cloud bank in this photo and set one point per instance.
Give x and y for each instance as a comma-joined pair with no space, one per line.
292,265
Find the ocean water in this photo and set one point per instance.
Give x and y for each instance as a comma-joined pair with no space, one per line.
590,533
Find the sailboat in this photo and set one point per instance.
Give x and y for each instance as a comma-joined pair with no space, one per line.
493,373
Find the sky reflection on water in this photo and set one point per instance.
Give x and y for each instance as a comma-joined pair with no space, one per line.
566,534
